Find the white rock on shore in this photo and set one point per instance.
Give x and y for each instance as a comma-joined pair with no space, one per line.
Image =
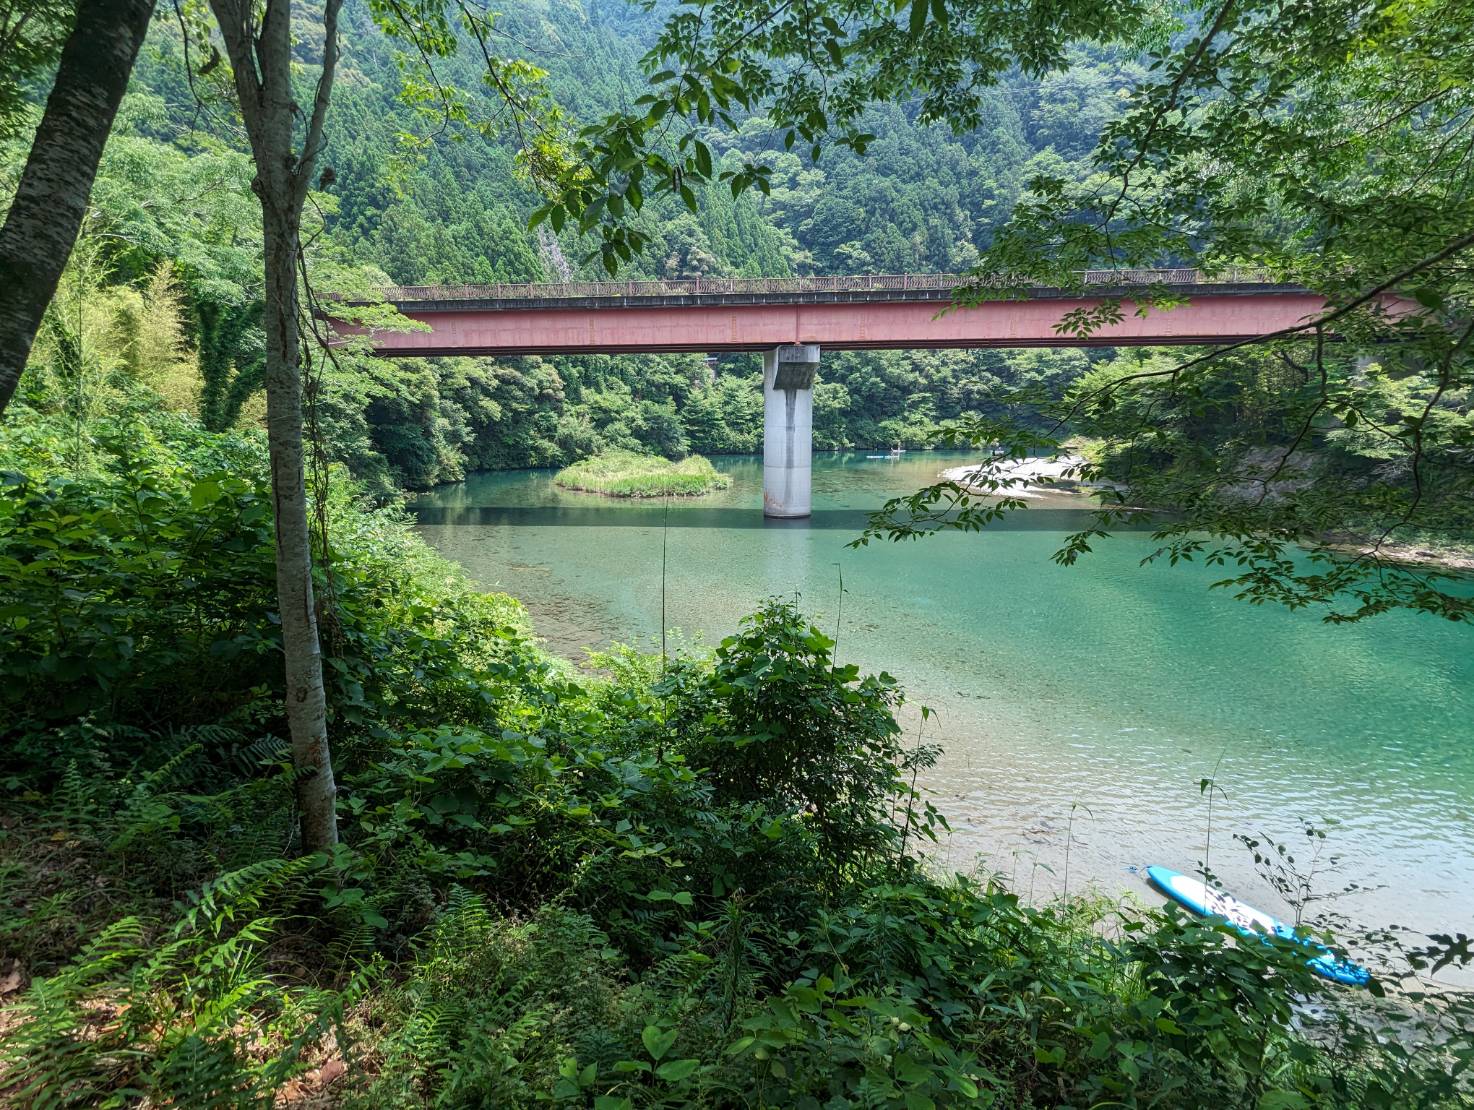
1027,472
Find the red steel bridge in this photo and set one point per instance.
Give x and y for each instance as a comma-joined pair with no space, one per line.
792,319
705,315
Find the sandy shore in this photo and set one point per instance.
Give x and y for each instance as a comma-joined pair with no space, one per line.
1456,559
1037,477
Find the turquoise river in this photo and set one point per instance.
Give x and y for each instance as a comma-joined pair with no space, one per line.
1079,708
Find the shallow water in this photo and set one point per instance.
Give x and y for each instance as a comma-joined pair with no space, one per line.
1107,689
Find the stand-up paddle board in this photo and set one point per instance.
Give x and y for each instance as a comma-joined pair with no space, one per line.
1209,901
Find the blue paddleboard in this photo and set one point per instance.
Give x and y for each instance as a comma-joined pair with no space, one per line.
1209,901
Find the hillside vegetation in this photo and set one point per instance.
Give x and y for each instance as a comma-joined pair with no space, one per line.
456,211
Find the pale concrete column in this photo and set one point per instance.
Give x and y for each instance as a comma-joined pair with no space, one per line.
788,428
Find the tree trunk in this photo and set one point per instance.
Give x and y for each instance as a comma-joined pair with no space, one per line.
306,699
261,58
51,200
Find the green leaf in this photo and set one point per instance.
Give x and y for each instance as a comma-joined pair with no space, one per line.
1282,1100
918,16
203,493
674,1071
657,1040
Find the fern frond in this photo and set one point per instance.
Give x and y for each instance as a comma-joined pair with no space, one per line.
160,777
242,893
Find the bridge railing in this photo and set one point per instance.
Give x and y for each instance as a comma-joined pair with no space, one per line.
851,283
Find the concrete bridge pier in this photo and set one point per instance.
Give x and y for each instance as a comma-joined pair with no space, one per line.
788,428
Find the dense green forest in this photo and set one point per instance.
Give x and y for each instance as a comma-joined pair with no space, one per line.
294,813
172,217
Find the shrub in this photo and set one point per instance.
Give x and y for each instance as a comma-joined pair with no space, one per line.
777,723
140,596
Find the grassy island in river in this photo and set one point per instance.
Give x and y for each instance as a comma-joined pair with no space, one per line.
620,473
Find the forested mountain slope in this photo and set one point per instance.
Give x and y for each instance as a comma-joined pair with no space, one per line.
413,198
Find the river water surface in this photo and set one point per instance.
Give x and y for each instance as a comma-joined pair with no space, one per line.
1107,689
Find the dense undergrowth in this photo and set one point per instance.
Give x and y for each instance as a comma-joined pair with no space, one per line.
619,473
691,884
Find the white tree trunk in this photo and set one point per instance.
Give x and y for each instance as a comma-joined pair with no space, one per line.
261,58
306,699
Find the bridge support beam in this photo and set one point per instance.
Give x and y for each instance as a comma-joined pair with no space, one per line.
788,428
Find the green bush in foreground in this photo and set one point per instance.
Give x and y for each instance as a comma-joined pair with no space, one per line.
620,473
676,886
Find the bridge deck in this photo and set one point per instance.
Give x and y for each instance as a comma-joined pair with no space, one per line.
817,289
836,312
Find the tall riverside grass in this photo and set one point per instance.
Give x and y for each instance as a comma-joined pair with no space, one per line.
620,473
